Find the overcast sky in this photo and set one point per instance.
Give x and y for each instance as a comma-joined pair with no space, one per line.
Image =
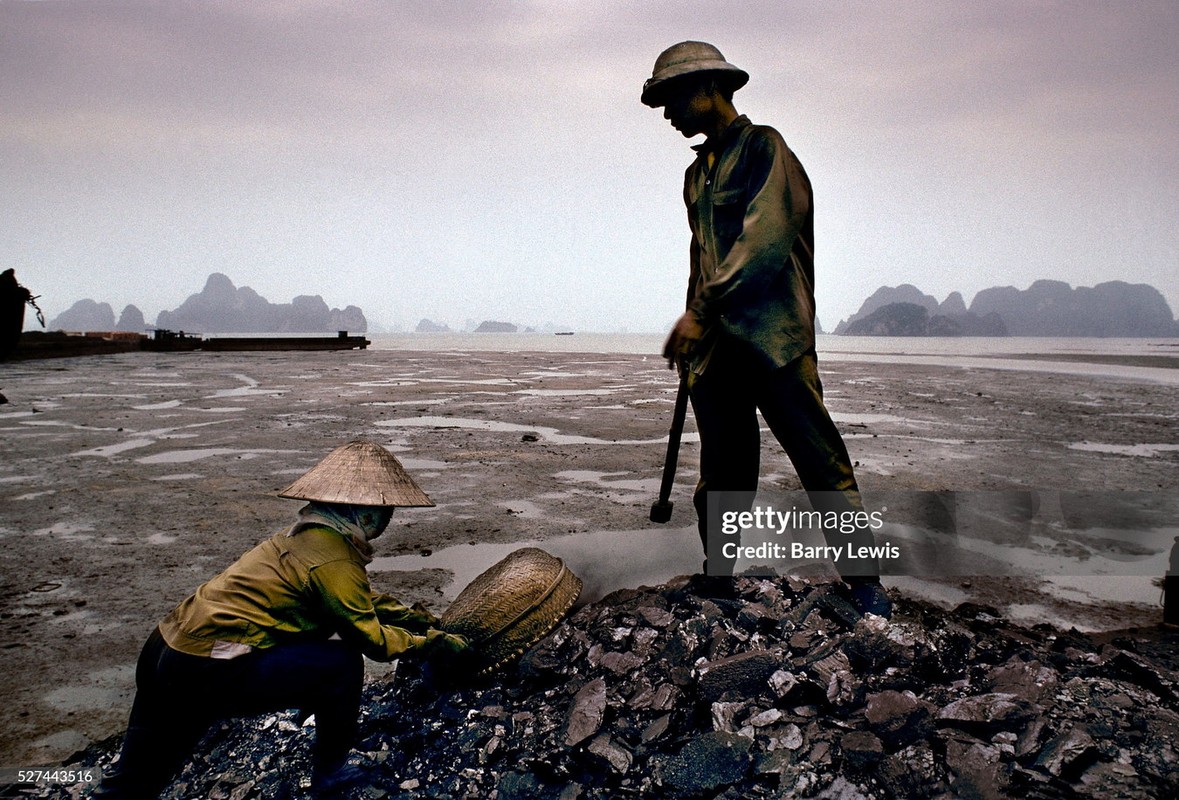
491,160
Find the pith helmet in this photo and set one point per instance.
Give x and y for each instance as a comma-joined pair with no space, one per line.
687,58
360,473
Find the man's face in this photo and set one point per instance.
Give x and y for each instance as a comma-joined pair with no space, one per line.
689,108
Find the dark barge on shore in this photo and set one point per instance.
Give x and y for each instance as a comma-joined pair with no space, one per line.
59,344
340,342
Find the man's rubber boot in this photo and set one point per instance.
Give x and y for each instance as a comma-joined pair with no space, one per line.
334,782
869,597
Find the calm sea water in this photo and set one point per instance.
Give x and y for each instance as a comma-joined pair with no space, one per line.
652,343
1097,357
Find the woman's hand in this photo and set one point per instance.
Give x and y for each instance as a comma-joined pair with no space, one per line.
440,644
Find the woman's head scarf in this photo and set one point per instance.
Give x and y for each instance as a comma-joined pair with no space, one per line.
358,524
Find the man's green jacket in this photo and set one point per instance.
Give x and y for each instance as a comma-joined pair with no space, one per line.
753,244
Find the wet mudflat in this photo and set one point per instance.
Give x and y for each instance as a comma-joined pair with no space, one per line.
127,480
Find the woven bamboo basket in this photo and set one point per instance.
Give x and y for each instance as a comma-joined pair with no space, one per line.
513,605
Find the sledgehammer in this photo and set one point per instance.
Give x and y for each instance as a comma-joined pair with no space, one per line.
661,508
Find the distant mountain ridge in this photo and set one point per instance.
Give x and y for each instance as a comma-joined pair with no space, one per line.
221,307
1046,308
911,319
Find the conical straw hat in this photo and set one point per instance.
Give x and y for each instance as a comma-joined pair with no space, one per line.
360,473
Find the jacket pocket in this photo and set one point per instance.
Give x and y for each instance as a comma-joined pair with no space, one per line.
728,218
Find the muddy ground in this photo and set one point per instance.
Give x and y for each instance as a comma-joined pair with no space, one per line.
127,480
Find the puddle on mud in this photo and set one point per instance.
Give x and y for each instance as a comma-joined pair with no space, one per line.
69,531
569,392
187,456
425,463
1143,450
35,495
852,418
472,381
607,480
1160,375
547,435
427,402
114,449
105,690
159,406
67,741
525,509
1097,567
249,389
1106,588
54,423
1084,610
92,395
604,560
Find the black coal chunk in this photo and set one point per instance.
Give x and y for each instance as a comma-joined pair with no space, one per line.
755,689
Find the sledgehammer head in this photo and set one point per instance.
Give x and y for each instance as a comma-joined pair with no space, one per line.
661,510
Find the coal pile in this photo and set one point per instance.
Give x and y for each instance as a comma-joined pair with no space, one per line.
752,688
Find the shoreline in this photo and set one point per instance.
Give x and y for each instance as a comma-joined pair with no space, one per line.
130,479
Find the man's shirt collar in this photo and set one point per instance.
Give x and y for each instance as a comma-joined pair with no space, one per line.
730,132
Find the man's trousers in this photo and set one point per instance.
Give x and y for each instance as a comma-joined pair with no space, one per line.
726,397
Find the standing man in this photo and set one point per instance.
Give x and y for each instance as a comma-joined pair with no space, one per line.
747,338
13,298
